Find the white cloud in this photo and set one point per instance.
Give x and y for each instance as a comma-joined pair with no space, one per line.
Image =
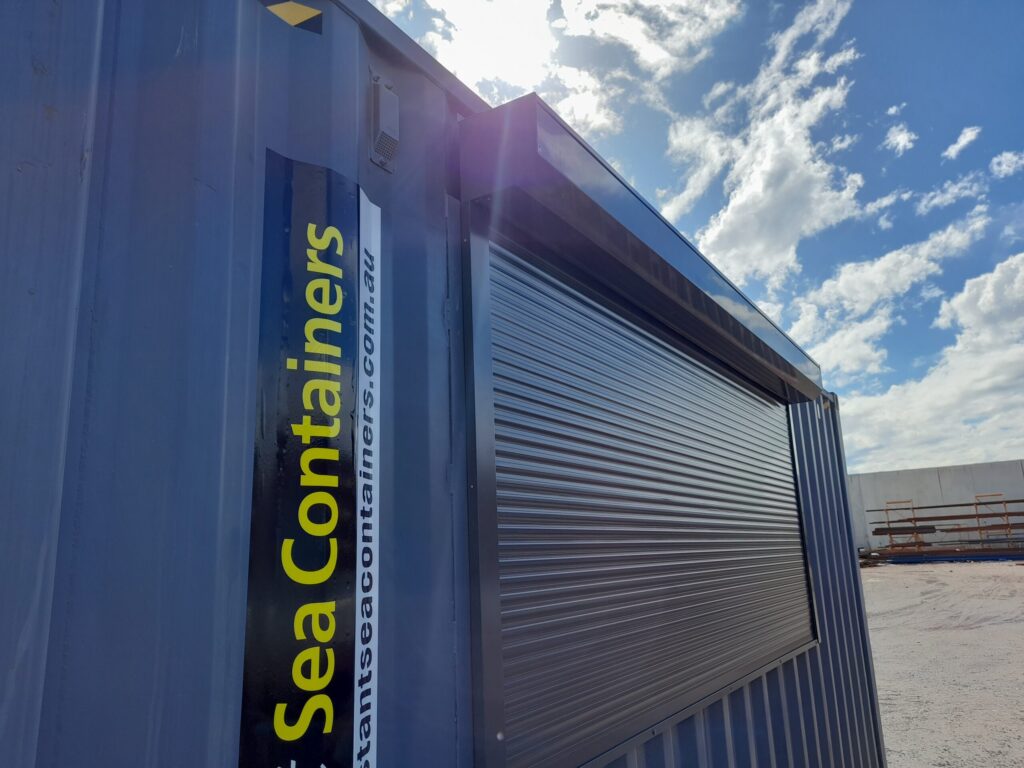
391,7
969,405
584,101
771,164
1013,225
844,318
881,203
967,135
1006,164
718,90
706,151
895,109
665,36
493,44
504,48
822,18
779,171
772,309
899,139
973,185
990,308
522,58
839,143
859,286
853,348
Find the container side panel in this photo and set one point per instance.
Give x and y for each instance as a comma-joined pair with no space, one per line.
146,639
760,724
48,107
149,567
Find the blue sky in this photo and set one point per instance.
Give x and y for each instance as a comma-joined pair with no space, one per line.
857,167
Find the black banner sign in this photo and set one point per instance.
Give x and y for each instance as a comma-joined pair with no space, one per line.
297,699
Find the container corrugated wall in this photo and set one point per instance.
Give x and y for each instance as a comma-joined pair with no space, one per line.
132,143
132,147
819,708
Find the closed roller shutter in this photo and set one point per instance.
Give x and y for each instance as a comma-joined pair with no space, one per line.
649,543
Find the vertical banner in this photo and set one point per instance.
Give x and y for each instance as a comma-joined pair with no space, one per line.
311,606
368,452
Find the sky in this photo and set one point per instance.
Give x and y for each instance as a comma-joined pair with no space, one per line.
855,166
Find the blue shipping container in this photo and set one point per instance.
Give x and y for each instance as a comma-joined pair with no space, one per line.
349,421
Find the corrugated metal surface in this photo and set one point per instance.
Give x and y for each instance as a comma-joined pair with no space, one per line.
820,708
649,541
47,119
132,144
132,139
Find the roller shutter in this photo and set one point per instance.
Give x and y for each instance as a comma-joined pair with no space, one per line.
649,542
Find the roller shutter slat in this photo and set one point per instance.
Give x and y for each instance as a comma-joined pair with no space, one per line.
649,542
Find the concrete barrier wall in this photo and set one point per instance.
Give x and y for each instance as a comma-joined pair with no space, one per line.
934,485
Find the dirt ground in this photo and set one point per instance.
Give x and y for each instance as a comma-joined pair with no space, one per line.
948,644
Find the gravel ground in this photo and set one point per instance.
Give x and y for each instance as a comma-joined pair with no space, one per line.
948,644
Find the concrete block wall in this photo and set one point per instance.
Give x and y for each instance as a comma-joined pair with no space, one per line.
933,485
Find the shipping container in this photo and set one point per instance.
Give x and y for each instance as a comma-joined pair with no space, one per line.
351,421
